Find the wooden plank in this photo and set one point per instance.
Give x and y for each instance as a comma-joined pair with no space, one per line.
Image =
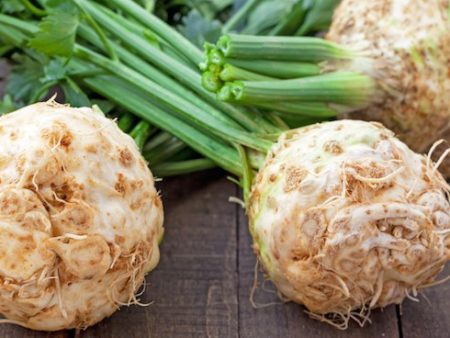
290,320
12,331
195,285
431,316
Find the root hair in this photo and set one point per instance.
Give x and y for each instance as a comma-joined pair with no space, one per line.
253,289
135,266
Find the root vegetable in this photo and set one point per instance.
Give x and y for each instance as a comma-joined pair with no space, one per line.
345,217
407,49
80,219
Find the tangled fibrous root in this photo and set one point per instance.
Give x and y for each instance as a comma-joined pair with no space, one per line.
80,219
346,218
406,44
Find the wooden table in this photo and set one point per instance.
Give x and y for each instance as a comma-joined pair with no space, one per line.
202,285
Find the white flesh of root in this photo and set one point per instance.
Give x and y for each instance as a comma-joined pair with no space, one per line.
406,48
80,218
346,218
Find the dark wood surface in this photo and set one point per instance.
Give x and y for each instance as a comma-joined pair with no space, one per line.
201,288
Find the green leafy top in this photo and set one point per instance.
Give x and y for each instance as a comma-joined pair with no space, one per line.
57,31
319,16
11,6
199,29
267,15
7,105
25,77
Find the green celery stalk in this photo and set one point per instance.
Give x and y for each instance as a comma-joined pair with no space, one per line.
156,75
279,48
171,66
277,69
347,88
175,39
240,15
164,152
168,169
232,73
140,133
292,21
184,108
136,101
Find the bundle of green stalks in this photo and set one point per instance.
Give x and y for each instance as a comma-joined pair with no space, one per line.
383,60
284,74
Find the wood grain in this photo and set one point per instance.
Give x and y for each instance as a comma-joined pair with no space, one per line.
431,316
12,331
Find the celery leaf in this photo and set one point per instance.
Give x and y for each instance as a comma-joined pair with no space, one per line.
57,33
74,95
200,30
11,6
24,78
7,105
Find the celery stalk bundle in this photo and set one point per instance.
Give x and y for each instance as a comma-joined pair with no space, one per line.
283,74
383,60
